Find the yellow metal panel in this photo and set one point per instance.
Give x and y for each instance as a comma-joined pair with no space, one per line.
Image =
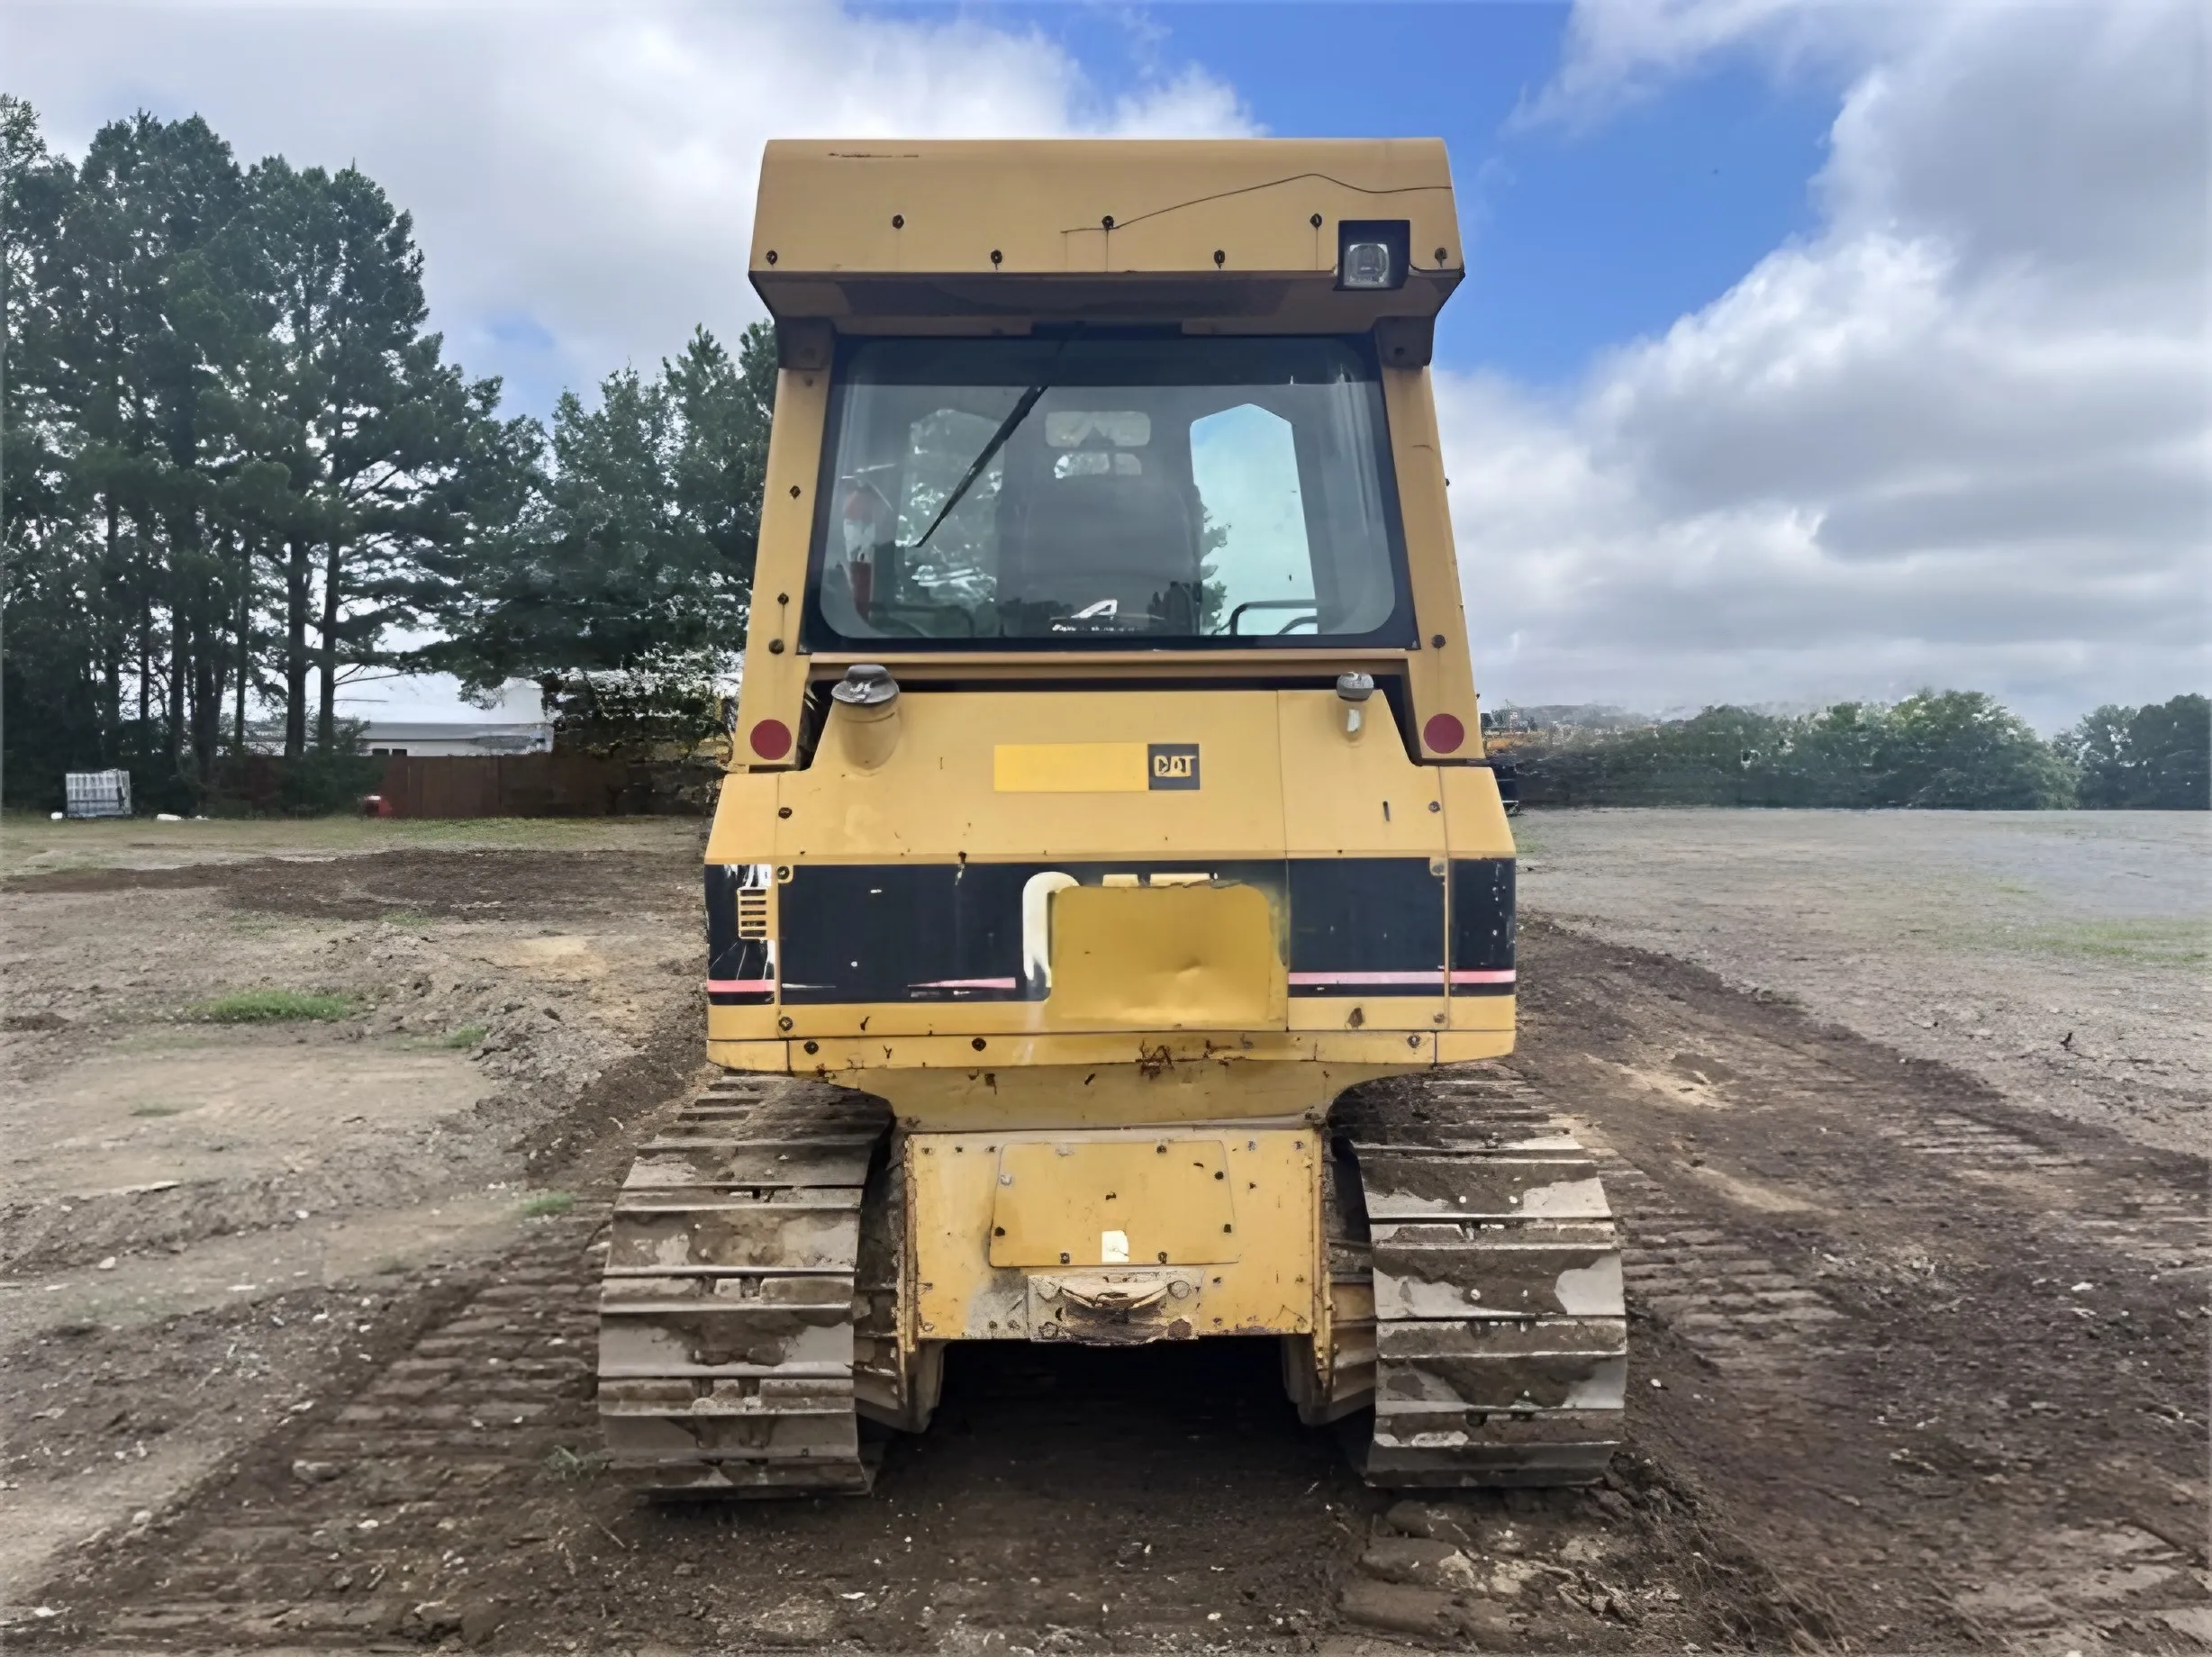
940,1032
1438,675
873,1063
775,671
1389,1014
768,1055
1272,1287
1044,207
1459,1046
744,829
1113,1202
1164,958
755,1024
1348,794
1112,1095
1474,816
1492,1014
1069,768
934,793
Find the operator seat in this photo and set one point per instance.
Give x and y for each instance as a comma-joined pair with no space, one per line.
1123,532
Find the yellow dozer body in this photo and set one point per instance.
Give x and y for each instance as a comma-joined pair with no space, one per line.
1110,799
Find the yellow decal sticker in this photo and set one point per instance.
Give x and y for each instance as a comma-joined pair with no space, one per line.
1070,768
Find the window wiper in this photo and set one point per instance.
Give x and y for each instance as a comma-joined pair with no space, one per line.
976,470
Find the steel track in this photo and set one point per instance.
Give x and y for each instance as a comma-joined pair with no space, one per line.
1470,1230
733,1317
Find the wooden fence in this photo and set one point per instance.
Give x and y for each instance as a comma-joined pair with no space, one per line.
538,786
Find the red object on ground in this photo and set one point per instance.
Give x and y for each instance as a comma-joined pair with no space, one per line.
1444,733
771,739
376,805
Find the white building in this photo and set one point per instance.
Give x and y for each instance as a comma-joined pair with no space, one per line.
441,738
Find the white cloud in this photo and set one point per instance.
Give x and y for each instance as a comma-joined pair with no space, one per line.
581,177
1959,436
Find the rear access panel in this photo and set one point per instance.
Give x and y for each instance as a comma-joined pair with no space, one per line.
1110,1235
1113,1202
1164,957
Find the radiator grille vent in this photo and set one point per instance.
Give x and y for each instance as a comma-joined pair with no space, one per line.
752,913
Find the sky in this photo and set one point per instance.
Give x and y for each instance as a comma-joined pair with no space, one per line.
1807,352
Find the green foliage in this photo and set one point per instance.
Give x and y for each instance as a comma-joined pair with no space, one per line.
546,1204
666,707
468,1036
632,552
2153,759
326,779
2179,942
1948,750
229,443
272,1007
1964,750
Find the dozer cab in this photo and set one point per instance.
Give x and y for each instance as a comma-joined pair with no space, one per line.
1108,907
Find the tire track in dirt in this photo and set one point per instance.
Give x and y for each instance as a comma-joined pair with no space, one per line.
1886,1419
387,1519
1943,1357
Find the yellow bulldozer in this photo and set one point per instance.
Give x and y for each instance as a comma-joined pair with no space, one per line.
1111,907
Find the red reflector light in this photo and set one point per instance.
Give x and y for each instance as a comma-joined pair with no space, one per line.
771,738
1444,734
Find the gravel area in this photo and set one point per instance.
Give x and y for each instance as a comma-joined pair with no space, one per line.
2060,957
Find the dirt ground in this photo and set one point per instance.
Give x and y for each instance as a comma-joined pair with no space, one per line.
2062,956
1920,1341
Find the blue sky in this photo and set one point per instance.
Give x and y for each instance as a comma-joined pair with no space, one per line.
1808,351
1579,238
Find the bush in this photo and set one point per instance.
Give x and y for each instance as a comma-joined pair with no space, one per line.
325,780
667,710
1955,749
1964,750
2153,759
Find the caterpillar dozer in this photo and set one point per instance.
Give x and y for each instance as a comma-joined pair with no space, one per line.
1109,909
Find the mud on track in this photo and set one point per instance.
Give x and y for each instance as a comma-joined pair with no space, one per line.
1930,1376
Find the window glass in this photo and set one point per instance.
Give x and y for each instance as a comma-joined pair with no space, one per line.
1258,565
1100,490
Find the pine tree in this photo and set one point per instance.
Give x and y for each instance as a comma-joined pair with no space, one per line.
636,546
373,427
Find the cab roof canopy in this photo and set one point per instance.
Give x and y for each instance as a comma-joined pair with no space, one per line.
1219,235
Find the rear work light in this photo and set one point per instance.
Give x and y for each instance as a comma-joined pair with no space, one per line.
1370,253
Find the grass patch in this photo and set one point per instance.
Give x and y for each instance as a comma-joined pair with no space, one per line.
273,1006
546,1204
157,1109
468,1036
2143,942
413,920
568,1465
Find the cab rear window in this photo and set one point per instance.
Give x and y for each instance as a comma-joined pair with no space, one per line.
1090,491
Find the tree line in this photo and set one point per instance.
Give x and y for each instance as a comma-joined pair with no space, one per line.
237,471
1939,749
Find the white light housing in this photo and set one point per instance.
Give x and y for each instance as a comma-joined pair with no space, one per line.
1366,264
